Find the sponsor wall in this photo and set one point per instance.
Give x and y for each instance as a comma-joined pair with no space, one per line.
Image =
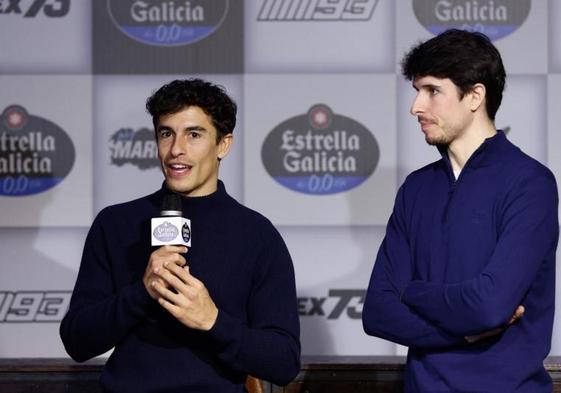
324,136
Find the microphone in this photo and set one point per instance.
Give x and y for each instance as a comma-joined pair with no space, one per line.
171,227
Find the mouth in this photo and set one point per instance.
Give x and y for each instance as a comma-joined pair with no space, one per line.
425,124
178,169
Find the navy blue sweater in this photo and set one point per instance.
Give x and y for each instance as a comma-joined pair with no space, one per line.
459,256
246,267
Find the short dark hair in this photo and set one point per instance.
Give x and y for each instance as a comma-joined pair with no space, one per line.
179,94
466,58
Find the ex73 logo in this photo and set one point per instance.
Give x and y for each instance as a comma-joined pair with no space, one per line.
338,301
30,9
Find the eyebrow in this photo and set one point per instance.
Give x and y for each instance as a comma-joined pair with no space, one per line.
426,86
190,128
195,128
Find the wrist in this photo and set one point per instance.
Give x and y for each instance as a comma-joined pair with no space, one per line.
211,321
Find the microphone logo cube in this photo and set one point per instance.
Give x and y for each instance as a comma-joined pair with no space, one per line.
171,230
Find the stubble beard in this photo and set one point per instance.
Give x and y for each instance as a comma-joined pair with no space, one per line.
437,140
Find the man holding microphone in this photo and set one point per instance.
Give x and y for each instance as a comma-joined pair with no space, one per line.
186,319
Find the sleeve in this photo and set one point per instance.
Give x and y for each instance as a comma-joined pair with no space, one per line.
528,236
269,346
384,315
98,317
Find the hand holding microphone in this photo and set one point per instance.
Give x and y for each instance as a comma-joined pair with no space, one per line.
168,279
172,232
185,297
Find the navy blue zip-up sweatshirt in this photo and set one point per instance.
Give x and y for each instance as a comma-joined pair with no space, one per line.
457,260
246,267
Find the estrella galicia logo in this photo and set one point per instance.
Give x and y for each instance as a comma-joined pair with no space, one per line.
186,233
165,232
495,18
138,148
168,22
320,152
33,8
306,10
35,153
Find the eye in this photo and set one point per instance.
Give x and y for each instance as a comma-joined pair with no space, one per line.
434,91
164,133
194,135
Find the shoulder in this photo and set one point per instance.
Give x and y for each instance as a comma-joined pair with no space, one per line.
251,220
249,227
522,170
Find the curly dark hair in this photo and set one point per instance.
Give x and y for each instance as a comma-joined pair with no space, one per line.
179,94
466,58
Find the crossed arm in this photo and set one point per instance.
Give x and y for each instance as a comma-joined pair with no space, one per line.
433,315
528,235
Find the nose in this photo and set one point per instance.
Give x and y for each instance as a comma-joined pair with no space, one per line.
178,146
417,105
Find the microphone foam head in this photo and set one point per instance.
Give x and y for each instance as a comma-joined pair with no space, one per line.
171,205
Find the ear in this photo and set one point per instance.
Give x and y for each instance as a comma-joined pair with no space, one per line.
224,145
477,94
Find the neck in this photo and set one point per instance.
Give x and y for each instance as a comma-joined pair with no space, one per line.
461,149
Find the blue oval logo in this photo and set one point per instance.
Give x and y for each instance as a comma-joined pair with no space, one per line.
494,18
320,152
35,153
169,22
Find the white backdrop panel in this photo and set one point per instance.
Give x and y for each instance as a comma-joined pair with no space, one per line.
333,238
368,99
278,39
554,33
332,271
38,267
120,103
554,163
66,101
38,43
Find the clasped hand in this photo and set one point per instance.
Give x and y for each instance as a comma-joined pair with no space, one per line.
168,280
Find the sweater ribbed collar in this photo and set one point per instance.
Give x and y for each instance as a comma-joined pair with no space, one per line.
198,205
485,155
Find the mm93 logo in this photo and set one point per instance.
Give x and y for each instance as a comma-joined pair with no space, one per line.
167,22
316,10
33,306
35,153
320,152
